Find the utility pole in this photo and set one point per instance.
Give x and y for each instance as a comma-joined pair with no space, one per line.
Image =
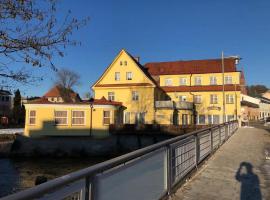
223,87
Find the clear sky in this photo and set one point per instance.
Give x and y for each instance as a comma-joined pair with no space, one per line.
168,30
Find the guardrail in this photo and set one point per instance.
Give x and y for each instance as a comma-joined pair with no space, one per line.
149,173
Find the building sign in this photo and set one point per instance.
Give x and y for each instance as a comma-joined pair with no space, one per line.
213,108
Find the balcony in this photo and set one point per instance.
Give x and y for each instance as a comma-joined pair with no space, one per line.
184,105
164,104
181,105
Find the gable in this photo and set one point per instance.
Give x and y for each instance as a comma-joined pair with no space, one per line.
123,64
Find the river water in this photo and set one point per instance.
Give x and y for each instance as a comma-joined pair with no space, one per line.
20,174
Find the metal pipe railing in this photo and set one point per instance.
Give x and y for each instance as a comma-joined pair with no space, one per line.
202,139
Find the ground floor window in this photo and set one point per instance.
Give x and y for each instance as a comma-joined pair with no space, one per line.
78,117
230,118
60,117
106,117
213,119
201,119
140,118
32,117
127,118
184,119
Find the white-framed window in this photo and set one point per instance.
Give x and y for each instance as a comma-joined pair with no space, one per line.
168,82
127,118
117,76
198,80
32,117
78,117
213,80
230,118
111,96
129,75
182,81
182,98
106,117
213,119
60,117
197,99
228,80
201,119
229,98
213,99
135,96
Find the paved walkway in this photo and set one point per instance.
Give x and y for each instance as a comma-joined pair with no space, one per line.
220,177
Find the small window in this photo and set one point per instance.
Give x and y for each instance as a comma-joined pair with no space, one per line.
121,63
228,80
230,118
117,76
201,119
213,80
106,117
213,119
111,96
182,98
168,82
135,96
7,98
78,117
213,99
197,99
182,81
229,98
32,117
129,75
60,117
127,117
125,63
198,80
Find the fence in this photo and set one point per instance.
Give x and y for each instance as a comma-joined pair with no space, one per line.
149,173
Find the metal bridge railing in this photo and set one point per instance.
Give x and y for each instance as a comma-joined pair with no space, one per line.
149,173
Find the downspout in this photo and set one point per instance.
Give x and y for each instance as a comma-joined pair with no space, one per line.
194,111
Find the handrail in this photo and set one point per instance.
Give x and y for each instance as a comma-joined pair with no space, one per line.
89,172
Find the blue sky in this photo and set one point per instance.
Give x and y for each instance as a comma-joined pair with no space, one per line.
166,31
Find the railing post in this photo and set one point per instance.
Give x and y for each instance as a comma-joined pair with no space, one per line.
169,169
211,140
87,189
219,135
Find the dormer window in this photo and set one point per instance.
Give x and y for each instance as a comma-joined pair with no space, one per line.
228,80
213,80
168,82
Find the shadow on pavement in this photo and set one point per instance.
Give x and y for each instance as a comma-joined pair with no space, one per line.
250,183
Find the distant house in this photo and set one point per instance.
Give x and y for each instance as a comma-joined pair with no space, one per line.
5,103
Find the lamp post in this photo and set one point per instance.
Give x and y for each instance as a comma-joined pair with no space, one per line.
91,115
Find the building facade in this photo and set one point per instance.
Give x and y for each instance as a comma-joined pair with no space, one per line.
6,103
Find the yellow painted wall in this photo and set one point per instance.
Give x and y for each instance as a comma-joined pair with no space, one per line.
164,116
204,77
45,125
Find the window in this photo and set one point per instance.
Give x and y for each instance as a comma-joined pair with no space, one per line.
182,98
182,81
184,119
228,80
127,117
117,76
140,118
32,117
230,118
106,117
135,96
213,119
197,99
198,80
60,117
121,63
7,98
125,63
201,119
78,118
168,82
213,99
129,75
213,80
229,99
111,96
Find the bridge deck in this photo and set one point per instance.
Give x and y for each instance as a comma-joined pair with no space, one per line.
219,179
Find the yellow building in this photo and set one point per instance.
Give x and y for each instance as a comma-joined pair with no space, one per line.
166,93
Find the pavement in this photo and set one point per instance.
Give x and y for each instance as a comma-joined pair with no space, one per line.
239,170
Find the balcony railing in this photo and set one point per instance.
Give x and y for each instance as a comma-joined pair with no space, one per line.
182,105
149,173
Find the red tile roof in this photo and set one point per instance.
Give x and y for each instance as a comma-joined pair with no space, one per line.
123,85
201,88
191,67
56,92
101,101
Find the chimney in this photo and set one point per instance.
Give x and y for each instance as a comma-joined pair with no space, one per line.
137,58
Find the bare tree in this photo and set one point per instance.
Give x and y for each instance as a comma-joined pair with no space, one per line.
31,34
67,78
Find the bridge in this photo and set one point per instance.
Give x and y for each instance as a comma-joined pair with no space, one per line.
205,164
